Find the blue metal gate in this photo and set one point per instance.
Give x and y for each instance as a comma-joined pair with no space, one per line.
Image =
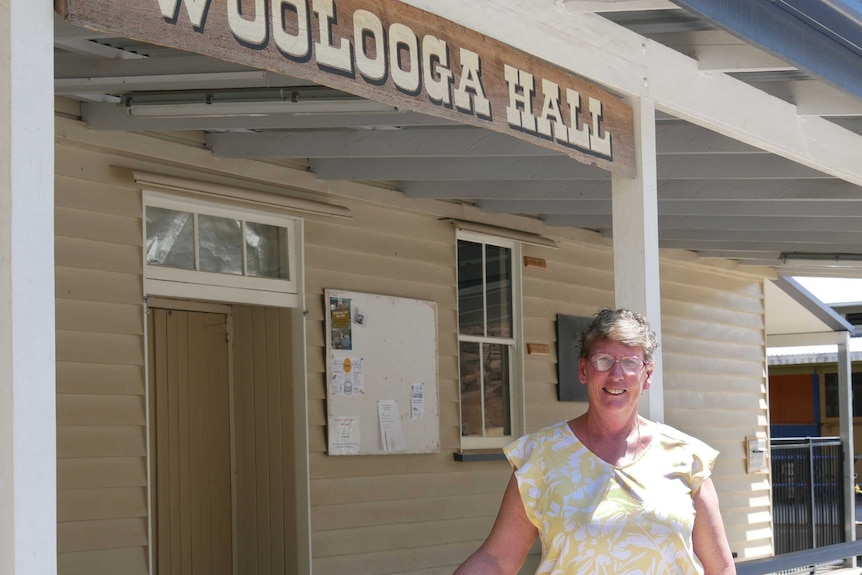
807,493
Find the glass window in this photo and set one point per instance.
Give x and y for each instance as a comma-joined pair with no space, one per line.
220,244
498,290
471,289
224,245
205,250
170,238
486,334
831,392
267,251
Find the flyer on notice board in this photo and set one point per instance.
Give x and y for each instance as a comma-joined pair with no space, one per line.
344,435
339,323
390,425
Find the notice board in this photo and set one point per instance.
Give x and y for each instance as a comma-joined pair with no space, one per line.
381,373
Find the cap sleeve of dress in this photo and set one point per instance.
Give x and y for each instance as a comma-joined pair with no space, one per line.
525,456
703,459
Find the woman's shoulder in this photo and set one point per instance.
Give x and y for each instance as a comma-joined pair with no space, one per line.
672,437
552,432
556,430
541,438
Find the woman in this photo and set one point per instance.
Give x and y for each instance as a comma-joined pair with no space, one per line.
609,492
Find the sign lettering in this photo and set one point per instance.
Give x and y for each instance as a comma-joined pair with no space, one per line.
392,53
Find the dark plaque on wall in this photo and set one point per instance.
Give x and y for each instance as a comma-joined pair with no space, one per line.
569,328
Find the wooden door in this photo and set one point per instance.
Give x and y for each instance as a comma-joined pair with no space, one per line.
190,442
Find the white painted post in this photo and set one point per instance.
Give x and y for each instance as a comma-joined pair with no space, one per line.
636,264
845,418
28,453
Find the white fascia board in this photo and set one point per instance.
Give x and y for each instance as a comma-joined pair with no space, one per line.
616,5
805,339
631,65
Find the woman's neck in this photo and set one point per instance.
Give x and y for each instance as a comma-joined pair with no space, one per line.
616,442
616,428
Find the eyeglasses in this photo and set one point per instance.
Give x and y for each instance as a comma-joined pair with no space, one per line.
630,364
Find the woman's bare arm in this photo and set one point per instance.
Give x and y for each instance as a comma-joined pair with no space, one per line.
506,547
710,541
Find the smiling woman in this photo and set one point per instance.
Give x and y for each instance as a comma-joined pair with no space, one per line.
610,491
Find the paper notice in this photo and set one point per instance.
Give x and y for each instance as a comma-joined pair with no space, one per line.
336,386
359,318
356,372
417,400
347,376
390,425
344,435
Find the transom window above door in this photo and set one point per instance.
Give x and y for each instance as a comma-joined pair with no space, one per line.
199,249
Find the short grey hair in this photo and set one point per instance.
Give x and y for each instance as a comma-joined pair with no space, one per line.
622,325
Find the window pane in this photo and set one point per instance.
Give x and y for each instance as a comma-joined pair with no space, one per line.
495,360
220,245
471,389
831,393
266,251
170,238
471,305
498,282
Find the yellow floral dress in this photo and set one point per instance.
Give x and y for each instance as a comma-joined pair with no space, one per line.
596,518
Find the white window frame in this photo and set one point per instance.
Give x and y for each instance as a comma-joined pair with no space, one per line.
200,285
516,354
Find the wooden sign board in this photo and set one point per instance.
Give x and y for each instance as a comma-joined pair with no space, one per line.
391,53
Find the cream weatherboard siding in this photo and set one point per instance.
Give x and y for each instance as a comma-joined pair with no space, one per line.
714,352
101,415
416,514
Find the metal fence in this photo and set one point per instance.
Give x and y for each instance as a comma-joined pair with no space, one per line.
807,493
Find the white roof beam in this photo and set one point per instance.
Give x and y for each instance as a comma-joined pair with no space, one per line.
720,51
164,66
414,142
684,167
121,84
674,138
717,167
117,117
738,58
552,189
456,169
677,137
759,246
820,99
737,189
616,5
748,208
804,339
775,190
790,236
800,225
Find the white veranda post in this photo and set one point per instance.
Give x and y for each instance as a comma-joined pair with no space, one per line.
28,455
845,407
635,224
